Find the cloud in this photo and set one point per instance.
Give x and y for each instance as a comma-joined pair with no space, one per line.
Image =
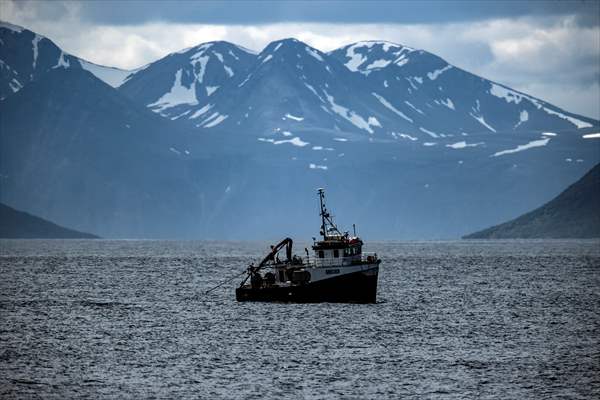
555,58
249,12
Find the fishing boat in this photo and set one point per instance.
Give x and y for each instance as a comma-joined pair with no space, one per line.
338,270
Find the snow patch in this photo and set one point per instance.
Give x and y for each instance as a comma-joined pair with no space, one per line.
510,96
577,122
379,64
463,144
290,116
591,136
523,117
316,166
373,122
435,74
34,43
219,56
62,62
339,139
323,148
286,133
296,141
313,53
312,89
245,80
351,116
548,134
414,108
15,85
482,121
201,61
403,136
429,144
267,58
211,89
216,121
228,70
448,103
180,115
401,61
388,105
530,145
356,59
432,134
201,111
178,94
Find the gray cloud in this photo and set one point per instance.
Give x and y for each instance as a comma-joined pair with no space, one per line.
112,12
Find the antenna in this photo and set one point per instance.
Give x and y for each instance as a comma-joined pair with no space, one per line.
354,229
323,212
326,219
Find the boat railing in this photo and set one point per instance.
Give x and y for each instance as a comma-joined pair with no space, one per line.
364,258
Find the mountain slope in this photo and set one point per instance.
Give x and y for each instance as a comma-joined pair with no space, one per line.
174,84
365,91
442,98
242,156
575,213
25,56
21,225
89,158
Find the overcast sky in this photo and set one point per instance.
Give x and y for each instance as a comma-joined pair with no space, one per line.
550,49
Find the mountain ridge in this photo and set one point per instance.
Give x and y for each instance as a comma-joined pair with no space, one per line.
23,67
244,153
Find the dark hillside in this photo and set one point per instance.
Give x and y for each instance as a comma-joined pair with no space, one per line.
575,213
16,224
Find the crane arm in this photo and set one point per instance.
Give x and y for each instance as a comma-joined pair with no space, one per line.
287,243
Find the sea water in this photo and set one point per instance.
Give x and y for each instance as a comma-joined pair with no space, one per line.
454,320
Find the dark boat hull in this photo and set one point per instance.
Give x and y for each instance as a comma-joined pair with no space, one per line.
357,287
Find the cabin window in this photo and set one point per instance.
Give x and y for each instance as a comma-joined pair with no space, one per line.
281,276
321,254
336,253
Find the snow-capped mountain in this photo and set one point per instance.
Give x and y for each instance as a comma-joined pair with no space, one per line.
216,141
175,85
278,95
25,56
421,85
368,90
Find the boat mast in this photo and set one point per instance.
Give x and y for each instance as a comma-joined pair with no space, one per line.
322,214
326,219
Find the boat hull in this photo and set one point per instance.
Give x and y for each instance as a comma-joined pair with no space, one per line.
355,287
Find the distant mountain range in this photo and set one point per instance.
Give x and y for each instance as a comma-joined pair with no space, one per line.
217,141
20,225
575,213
